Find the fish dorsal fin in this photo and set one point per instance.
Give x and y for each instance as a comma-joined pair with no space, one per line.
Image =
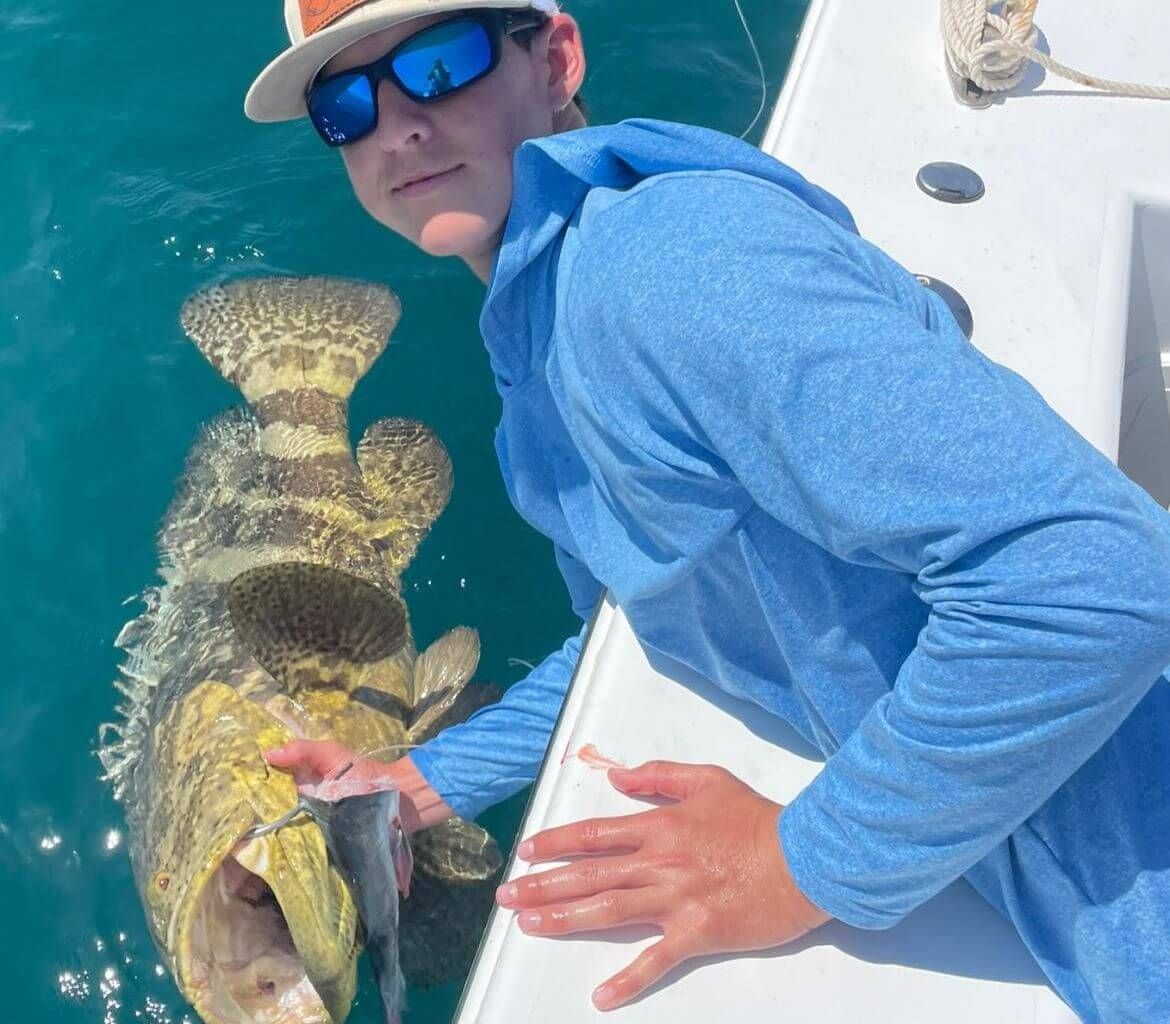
407,472
312,625
269,335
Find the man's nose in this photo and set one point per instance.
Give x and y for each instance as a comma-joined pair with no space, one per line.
402,123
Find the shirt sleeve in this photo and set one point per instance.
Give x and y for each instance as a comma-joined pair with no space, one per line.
851,408
499,749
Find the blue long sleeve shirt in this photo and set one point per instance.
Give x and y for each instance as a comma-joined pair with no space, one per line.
797,476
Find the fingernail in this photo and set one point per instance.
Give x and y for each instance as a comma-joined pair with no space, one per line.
529,919
507,893
525,849
603,997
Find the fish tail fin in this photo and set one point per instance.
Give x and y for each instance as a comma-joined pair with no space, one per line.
287,341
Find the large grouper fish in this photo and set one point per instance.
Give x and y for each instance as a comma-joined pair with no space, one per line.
280,615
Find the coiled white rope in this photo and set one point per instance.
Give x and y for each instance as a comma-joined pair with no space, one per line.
991,44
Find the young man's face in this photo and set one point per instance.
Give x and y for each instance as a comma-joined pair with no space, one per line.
472,134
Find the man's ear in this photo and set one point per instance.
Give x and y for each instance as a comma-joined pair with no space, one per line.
565,53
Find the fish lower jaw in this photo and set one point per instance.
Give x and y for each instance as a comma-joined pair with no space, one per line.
299,1005
239,965
238,994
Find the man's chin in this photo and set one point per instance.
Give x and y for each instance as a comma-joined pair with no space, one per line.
455,233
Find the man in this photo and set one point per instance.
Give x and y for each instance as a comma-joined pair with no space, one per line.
796,475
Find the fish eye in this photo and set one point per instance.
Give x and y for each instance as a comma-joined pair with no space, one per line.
156,891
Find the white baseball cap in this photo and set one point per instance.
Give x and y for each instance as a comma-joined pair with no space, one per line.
318,29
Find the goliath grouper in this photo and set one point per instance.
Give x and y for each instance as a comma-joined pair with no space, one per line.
281,616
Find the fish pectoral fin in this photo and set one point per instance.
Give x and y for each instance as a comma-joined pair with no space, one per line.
312,625
456,866
407,472
403,857
447,664
457,852
441,673
455,704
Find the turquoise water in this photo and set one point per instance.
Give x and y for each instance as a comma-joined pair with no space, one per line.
130,178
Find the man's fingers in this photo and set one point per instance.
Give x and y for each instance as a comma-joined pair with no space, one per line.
642,973
286,756
309,760
666,778
605,910
585,878
318,753
594,835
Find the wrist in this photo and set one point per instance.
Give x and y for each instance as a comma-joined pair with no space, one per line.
806,913
427,806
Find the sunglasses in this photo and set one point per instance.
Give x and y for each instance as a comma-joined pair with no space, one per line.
430,65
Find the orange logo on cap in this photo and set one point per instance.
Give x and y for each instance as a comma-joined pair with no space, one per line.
317,14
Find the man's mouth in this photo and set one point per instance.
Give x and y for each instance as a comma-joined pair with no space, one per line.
425,184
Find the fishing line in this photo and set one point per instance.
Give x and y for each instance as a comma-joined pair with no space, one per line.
376,753
759,64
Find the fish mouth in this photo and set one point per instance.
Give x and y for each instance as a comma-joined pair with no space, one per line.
243,965
255,930
241,961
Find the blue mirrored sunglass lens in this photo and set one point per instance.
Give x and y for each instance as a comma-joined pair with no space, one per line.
444,58
342,108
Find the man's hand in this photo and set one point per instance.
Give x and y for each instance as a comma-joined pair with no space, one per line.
331,771
708,871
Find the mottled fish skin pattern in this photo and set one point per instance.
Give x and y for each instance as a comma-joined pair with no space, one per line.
272,484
